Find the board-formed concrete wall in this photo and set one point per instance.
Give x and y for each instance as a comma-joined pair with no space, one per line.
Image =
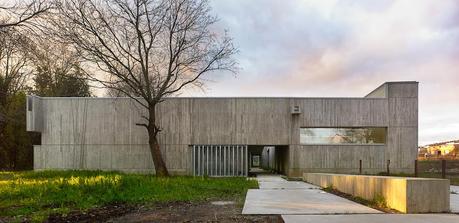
393,105
101,133
408,195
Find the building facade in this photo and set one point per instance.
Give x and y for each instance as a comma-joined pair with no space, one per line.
220,136
441,150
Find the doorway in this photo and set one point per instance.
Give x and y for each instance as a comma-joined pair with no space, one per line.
265,159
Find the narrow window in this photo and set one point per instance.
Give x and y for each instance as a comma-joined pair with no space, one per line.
29,103
353,135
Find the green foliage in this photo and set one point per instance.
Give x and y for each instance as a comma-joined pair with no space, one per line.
379,201
38,194
329,188
58,82
15,142
58,71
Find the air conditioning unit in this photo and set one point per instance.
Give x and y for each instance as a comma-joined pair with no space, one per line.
295,110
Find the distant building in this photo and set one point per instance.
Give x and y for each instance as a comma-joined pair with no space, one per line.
449,149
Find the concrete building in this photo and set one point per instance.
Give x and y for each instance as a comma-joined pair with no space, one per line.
221,136
442,150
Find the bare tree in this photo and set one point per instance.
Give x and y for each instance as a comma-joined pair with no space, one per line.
14,73
14,60
22,12
57,71
147,49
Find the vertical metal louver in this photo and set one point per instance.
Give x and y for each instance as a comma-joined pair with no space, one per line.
219,160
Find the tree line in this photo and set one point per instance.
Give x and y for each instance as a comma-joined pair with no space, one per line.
147,50
30,64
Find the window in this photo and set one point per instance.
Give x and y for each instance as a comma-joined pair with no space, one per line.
29,104
359,135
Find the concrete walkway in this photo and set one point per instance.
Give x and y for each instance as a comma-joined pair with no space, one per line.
454,199
279,196
302,202
454,189
374,218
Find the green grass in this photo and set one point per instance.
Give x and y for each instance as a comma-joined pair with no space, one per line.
38,194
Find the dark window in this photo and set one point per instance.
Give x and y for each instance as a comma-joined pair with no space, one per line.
256,160
29,104
354,135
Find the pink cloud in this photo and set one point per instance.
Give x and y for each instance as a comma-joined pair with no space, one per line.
344,48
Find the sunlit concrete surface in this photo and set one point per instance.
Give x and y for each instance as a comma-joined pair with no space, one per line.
454,189
374,218
270,178
285,185
454,199
294,201
454,203
279,196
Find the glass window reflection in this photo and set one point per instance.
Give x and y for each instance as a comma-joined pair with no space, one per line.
356,135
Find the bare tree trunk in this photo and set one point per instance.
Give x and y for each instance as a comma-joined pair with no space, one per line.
153,130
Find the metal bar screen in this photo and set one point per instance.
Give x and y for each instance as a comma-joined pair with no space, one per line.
219,160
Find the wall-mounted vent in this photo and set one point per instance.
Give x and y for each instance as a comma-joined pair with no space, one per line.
295,110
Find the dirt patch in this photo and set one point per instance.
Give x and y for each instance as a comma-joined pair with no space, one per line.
93,215
222,211
195,212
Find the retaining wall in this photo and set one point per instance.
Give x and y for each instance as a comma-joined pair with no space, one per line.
408,195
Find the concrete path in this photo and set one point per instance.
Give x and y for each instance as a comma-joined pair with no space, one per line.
454,189
382,218
454,199
279,196
374,218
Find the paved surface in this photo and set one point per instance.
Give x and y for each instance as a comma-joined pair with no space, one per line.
374,218
285,185
454,189
454,203
454,199
279,196
270,178
302,202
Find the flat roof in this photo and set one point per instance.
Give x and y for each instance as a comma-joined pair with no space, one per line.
250,97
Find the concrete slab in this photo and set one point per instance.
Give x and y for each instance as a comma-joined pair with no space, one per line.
270,178
454,199
374,218
294,201
454,203
454,189
285,185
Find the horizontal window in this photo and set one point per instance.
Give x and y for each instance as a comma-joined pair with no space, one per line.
376,135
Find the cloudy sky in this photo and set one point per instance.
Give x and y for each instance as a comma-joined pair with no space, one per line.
346,49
